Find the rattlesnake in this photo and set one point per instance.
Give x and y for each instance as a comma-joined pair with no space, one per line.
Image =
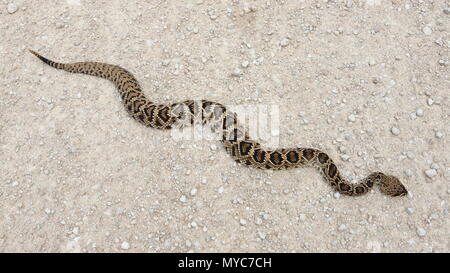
235,139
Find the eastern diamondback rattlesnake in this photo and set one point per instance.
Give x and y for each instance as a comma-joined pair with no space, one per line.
235,138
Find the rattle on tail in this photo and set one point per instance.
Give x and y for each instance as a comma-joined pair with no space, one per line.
235,138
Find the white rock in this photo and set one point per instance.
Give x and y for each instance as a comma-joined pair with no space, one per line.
421,232
337,195
419,112
76,230
193,191
262,235
302,217
342,227
349,4
11,8
125,245
410,210
434,166
351,117
345,157
183,199
439,134
427,30
243,222
408,172
395,131
245,64
431,173
165,62
237,72
220,190
447,10
284,42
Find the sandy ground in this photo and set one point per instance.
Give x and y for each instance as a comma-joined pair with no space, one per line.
367,81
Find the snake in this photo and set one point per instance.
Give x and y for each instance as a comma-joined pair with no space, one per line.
234,137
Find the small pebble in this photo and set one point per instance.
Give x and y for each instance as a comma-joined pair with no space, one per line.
193,191
262,235
243,222
439,134
421,232
345,157
434,166
419,112
395,131
237,72
447,10
410,210
351,117
125,245
342,227
408,172
11,8
183,199
245,64
302,217
427,30
431,173
284,42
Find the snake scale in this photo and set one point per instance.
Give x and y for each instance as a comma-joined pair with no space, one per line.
235,138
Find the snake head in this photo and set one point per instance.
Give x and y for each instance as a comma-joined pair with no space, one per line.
390,185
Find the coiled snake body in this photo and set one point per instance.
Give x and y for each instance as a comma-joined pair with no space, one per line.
235,138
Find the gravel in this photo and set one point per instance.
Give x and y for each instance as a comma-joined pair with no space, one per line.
421,232
125,245
408,172
284,42
427,30
79,175
351,118
395,131
12,8
431,173
419,112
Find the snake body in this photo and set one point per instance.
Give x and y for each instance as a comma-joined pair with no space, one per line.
235,138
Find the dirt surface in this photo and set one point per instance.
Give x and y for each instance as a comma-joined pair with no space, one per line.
367,81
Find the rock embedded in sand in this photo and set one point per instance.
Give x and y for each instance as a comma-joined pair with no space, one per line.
431,173
427,30
395,131
408,172
421,232
125,245
11,8
284,42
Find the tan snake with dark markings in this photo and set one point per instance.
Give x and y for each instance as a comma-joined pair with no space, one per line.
235,138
